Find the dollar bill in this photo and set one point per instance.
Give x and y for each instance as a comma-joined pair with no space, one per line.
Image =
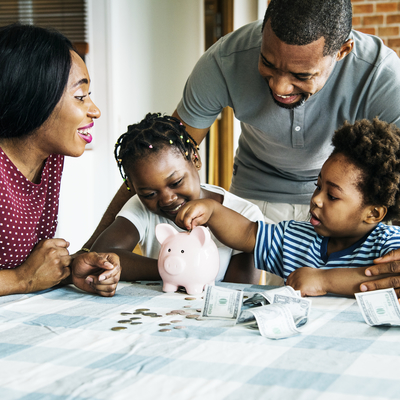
379,307
221,303
299,307
267,296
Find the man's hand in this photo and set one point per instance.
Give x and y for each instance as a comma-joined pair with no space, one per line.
308,280
96,273
387,268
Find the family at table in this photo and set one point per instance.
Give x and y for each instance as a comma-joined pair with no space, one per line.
315,178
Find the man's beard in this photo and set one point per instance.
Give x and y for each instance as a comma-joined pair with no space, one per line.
291,106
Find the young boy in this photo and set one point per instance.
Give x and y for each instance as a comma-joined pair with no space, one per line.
358,187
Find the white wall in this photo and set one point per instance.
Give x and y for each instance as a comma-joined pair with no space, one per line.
140,55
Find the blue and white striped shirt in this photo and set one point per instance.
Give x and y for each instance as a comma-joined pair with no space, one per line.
289,245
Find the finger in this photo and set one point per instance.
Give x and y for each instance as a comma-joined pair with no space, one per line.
393,255
105,290
390,282
392,267
57,242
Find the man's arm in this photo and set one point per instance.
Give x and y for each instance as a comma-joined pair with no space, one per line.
197,134
120,198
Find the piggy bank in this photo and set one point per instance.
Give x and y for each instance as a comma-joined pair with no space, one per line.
186,259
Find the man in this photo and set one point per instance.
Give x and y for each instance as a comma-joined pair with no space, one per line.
291,80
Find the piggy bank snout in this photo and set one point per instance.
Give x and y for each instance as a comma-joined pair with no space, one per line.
174,265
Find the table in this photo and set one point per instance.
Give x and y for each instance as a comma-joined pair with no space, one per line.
58,344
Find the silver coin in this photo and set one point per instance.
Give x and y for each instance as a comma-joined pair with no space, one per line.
187,306
165,330
190,298
198,310
136,323
142,309
118,328
175,321
124,321
133,318
150,314
126,313
164,324
179,327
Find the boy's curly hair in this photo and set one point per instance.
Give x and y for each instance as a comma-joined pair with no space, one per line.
152,134
374,148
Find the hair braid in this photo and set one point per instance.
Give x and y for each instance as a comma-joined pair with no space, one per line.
149,136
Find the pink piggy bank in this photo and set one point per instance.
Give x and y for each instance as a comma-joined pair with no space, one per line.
186,259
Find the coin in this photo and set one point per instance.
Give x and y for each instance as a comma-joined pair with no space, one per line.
137,312
124,321
126,313
164,324
190,298
136,323
180,312
179,327
155,316
118,328
175,321
150,314
187,306
192,316
165,330
142,309
198,310
135,318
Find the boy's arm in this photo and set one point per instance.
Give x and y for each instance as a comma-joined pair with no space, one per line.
229,227
317,282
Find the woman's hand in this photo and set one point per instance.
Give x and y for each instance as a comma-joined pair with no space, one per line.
308,280
46,266
96,273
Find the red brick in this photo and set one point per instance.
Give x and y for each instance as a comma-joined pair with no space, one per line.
375,20
388,31
387,7
356,20
394,43
363,9
369,31
393,19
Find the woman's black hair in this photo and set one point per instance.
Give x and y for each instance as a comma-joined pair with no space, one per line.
374,148
34,69
154,133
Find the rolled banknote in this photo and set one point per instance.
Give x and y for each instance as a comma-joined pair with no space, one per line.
221,303
379,307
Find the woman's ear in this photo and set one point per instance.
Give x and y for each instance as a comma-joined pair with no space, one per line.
375,214
196,160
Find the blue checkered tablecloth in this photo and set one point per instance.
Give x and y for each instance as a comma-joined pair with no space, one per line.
58,344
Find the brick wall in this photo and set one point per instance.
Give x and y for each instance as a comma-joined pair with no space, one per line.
380,18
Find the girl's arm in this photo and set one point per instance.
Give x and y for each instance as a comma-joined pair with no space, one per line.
121,237
241,270
317,282
231,228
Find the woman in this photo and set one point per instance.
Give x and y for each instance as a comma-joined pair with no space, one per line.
45,114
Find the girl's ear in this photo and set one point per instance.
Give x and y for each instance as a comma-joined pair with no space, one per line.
196,160
375,214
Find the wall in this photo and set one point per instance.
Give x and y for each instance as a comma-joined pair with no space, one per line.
380,18
140,55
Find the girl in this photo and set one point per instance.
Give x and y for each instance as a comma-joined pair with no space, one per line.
357,188
45,113
159,161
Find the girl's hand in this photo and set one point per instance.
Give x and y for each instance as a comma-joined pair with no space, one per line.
308,280
96,273
46,266
195,213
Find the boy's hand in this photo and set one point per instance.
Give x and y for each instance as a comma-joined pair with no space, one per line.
308,280
194,213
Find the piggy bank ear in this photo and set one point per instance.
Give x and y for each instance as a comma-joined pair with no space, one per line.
202,234
164,231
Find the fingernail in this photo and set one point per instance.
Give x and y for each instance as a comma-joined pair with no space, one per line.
368,272
363,288
102,278
89,279
108,264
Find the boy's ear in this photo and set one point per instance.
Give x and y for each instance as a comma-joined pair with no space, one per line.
375,214
196,160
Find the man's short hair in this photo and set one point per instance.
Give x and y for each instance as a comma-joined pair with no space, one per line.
301,22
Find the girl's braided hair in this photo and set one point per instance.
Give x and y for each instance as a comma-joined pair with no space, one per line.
149,136
374,148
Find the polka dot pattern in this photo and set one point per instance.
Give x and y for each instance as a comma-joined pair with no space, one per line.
28,211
